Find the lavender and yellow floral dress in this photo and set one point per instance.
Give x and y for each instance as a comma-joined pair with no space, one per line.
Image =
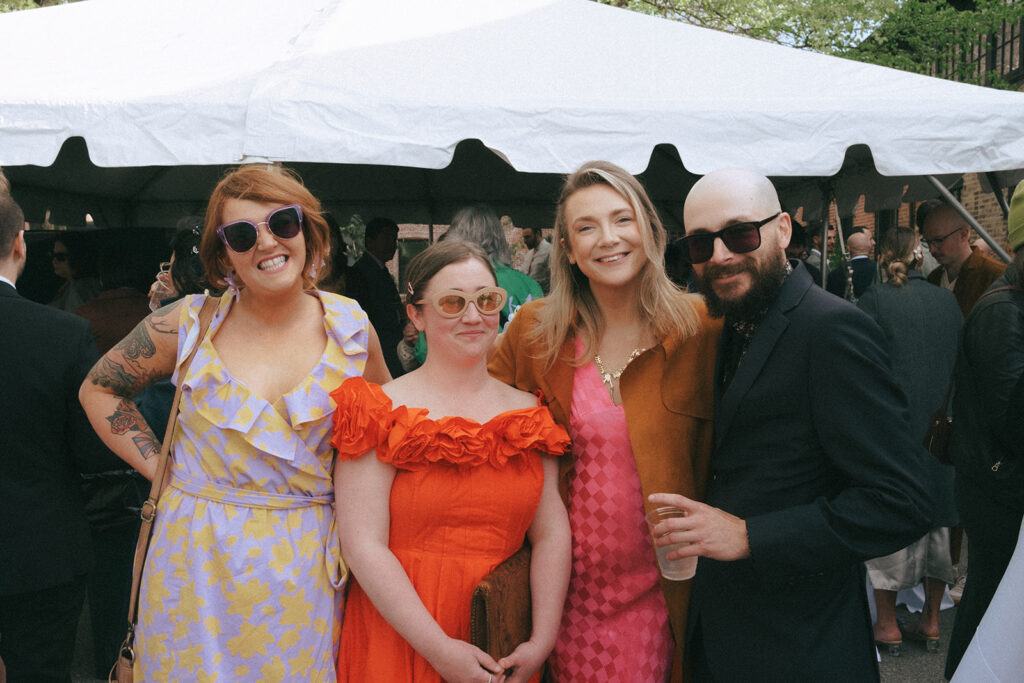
243,573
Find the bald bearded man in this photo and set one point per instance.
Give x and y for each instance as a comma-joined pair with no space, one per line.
814,468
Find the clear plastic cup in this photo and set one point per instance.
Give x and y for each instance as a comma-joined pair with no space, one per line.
161,289
673,570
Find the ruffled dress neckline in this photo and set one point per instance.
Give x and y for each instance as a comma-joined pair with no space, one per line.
409,439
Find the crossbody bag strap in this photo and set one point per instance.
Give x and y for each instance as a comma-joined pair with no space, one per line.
148,513
952,378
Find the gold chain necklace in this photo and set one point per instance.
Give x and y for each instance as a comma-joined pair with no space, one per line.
610,377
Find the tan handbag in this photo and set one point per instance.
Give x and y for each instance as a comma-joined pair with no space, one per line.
123,669
501,615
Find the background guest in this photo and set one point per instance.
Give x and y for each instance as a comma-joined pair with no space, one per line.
987,443
115,495
370,283
184,275
962,269
865,270
535,263
480,225
45,550
74,260
921,325
815,257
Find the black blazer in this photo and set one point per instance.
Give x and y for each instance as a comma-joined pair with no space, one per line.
374,288
45,441
814,450
864,272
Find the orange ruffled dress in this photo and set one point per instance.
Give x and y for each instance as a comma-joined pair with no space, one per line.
461,502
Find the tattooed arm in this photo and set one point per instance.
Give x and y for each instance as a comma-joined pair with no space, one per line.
146,355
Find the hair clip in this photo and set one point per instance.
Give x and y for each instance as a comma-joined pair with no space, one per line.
408,288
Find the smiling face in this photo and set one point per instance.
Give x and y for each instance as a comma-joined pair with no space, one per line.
274,265
604,239
468,336
734,283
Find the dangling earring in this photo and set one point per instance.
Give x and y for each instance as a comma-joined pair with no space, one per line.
230,280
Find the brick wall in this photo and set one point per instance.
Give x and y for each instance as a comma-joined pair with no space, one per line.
980,203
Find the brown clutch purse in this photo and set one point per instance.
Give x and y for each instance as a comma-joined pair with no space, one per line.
500,612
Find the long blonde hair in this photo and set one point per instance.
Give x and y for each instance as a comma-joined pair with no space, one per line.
571,310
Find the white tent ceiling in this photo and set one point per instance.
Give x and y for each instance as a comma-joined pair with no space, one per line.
370,99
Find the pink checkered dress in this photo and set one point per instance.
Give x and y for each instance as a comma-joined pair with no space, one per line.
615,625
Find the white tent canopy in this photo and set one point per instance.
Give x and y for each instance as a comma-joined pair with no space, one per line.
372,98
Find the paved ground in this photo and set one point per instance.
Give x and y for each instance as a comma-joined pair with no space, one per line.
915,664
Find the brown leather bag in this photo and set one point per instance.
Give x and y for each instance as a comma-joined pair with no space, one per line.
501,615
123,669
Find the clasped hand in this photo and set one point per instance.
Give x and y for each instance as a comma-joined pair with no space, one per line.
709,531
462,662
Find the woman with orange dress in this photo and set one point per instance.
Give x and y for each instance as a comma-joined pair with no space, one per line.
626,360
442,474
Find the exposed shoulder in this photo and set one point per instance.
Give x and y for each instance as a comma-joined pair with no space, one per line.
170,313
515,399
407,390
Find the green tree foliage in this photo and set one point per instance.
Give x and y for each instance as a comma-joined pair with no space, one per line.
949,39
828,26
15,5
939,37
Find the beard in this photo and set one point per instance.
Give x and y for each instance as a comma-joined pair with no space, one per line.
767,277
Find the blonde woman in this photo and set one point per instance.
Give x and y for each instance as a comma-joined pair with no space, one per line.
626,361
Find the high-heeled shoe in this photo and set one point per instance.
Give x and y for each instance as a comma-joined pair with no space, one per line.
894,648
913,632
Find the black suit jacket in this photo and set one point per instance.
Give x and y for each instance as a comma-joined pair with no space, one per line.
374,288
45,441
814,450
864,271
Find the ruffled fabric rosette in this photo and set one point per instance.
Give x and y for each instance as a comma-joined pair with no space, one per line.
409,439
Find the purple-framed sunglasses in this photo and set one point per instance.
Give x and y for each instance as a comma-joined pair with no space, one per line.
241,236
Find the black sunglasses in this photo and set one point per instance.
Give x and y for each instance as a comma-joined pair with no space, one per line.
60,256
241,236
739,238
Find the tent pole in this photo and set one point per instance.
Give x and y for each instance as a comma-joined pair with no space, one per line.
952,201
826,217
997,190
844,260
